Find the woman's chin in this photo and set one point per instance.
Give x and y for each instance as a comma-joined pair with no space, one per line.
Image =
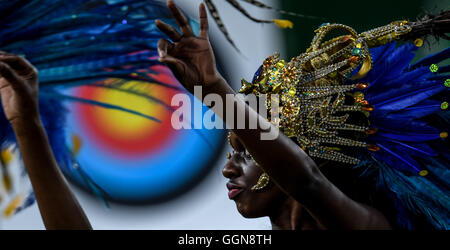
246,211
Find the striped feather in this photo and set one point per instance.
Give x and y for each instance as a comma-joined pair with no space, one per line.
237,6
215,14
264,6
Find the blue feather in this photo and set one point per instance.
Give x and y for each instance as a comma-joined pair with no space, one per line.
420,148
410,98
405,159
410,136
31,198
407,148
388,67
418,196
97,103
403,126
422,109
95,188
403,96
408,81
434,58
379,53
444,69
440,171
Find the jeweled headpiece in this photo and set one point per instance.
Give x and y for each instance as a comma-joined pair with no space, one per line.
313,88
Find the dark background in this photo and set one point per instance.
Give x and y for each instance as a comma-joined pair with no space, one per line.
360,15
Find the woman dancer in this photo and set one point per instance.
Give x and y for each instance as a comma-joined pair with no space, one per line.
330,97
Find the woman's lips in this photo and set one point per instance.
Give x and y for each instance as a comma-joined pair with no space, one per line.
234,192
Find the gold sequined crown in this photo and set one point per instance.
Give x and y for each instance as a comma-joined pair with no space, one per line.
313,90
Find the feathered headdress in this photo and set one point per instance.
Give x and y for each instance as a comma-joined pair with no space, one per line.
356,99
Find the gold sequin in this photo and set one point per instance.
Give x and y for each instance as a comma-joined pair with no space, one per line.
423,173
373,148
418,42
292,92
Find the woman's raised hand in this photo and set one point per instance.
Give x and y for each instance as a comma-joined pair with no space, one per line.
18,88
190,58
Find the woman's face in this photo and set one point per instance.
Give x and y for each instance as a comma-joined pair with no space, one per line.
243,174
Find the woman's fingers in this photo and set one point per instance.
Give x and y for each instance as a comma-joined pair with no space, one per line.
204,26
164,47
170,31
3,53
170,60
8,73
175,65
20,65
180,18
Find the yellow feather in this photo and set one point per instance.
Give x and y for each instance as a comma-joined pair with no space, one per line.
11,208
6,156
7,182
284,24
76,143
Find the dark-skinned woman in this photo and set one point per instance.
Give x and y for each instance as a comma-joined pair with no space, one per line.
326,114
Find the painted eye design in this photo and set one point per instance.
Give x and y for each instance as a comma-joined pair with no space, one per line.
134,160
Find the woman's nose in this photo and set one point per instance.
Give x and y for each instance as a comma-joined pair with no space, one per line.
232,168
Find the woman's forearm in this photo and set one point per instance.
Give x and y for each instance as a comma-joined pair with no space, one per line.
57,204
335,210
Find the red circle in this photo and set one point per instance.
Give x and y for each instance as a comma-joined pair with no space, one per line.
150,141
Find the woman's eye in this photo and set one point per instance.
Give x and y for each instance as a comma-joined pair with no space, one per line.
247,154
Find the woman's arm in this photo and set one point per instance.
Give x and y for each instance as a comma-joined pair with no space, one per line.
19,95
192,61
